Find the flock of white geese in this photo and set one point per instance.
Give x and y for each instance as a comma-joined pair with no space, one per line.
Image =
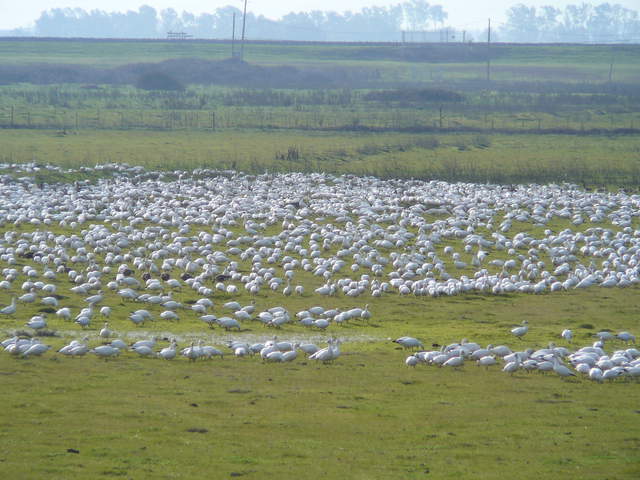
591,361
270,351
141,236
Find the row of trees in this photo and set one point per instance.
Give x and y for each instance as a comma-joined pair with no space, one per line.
575,23
368,24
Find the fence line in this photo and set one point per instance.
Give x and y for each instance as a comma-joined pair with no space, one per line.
300,118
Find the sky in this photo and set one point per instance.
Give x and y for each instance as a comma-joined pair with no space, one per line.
463,14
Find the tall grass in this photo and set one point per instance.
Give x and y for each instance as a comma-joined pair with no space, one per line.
589,160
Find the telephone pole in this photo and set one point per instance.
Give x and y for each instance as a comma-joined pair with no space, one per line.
233,37
489,52
611,71
244,18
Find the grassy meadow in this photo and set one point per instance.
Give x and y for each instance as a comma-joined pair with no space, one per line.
549,115
367,414
594,160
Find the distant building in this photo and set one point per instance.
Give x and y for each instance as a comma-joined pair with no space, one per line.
443,35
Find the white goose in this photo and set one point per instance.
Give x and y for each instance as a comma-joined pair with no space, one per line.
520,332
9,309
561,369
105,351
105,332
168,353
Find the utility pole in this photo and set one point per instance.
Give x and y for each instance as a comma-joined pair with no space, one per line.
489,52
244,18
611,71
233,37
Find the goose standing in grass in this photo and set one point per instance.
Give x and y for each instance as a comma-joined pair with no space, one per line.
10,309
28,297
137,318
105,332
307,348
145,343
143,350
233,306
500,350
290,355
209,319
604,336
209,351
37,322
191,352
228,323
9,341
626,337
49,302
511,367
595,374
64,313
521,331
105,351
94,299
412,360
567,335
119,344
321,323
408,342
169,315
486,361
79,350
169,353
561,369
18,346
36,349
84,321
274,357
455,361
324,355
67,349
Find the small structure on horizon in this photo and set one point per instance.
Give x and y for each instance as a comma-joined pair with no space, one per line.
178,35
444,35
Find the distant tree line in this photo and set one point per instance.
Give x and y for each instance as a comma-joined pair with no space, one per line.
368,24
575,23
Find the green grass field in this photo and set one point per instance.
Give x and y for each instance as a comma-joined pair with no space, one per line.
509,131
367,415
593,160
109,53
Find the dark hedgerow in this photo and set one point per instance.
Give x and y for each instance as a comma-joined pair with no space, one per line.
423,95
159,81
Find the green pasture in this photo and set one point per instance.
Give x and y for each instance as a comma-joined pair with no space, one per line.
590,159
366,414
414,63
109,52
125,111
510,130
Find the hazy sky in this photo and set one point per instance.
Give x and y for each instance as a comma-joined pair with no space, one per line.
467,14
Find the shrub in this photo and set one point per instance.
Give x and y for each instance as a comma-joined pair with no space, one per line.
159,81
424,95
